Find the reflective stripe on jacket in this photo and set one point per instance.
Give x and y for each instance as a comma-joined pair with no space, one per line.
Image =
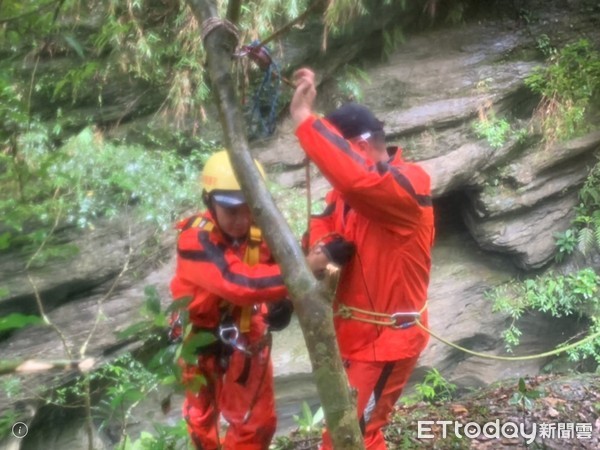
385,209
210,269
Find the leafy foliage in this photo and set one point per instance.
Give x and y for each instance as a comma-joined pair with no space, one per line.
392,38
164,437
11,386
584,234
568,85
340,13
309,423
7,420
524,397
574,294
433,388
566,243
309,430
545,46
87,179
156,45
293,207
349,83
494,130
15,320
121,385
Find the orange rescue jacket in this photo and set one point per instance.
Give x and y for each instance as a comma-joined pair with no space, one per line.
211,270
385,209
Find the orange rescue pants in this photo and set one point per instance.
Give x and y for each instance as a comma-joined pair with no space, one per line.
379,385
243,394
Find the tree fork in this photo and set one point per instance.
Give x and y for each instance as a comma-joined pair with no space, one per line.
314,314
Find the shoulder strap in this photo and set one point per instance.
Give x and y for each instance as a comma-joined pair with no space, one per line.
205,224
251,257
196,222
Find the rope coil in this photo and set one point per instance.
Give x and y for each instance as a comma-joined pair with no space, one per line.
212,23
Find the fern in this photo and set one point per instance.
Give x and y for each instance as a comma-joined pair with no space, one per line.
586,240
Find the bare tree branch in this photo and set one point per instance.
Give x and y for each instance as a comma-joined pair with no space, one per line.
35,365
36,292
233,11
101,301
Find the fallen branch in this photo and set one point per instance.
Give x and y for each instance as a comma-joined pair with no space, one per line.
29,366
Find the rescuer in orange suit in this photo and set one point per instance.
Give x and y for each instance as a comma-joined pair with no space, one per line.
237,296
382,204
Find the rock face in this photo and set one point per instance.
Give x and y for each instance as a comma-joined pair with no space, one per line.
430,94
497,208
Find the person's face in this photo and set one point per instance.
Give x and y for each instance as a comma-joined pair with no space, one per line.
234,221
372,149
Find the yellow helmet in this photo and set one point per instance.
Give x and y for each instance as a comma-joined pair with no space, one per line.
219,180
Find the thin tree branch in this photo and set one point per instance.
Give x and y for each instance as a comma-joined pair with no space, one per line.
290,24
31,83
57,10
89,423
101,301
234,8
46,319
36,293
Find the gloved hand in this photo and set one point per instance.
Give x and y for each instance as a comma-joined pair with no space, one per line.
339,250
279,315
175,333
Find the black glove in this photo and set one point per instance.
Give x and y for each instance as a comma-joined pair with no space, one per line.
279,315
175,333
339,251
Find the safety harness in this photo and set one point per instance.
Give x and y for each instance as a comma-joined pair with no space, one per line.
398,320
228,331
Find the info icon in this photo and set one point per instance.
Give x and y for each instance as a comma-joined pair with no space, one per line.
20,430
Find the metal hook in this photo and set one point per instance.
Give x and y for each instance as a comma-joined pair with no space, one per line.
397,317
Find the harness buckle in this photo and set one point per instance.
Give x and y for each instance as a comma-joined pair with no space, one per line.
229,335
402,319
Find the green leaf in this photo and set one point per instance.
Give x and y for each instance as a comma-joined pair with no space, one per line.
190,347
318,417
75,45
306,413
152,302
132,330
585,240
179,304
522,386
15,320
534,394
515,399
169,379
5,239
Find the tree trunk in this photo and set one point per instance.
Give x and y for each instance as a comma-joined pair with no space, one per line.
314,314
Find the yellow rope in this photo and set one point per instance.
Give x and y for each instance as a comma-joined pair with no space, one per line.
346,312
556,351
